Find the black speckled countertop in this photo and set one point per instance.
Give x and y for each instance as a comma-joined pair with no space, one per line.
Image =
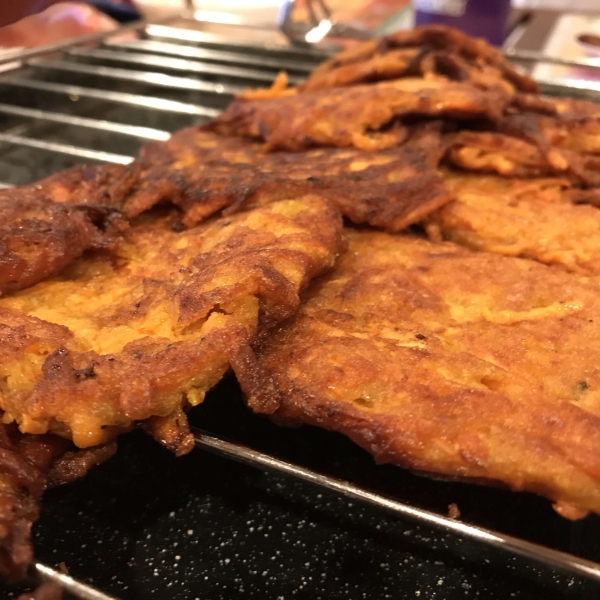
148,525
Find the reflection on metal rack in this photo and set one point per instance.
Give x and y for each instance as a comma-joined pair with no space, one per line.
529,56
80,40
100,94
219,57
83,153
70,102
146,133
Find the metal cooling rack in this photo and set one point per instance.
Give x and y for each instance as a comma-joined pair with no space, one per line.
98,99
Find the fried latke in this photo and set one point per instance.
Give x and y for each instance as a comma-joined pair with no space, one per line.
97,185
528,144
492,152
433,50
530,218
202,173
356,115
38,237
566,141
137,333
453,362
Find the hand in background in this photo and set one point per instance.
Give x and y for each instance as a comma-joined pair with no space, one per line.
58,22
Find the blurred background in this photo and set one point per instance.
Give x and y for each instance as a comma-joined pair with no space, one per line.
551,27
12,11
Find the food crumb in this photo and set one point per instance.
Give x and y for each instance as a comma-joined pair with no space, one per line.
62,567
453,511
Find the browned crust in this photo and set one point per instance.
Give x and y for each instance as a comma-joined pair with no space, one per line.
75,464
217,284
46,225
544,219
345,117
567,143
181,309
377,167
96,185
202,173
442,360
38,238
571,109
171,431
505,155
389,56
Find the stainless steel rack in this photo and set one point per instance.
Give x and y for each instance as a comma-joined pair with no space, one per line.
99,98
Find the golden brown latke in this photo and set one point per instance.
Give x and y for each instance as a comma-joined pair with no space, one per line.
530,218
536,137
98,185
138,333
460,363
491,152
38,237
427,355
569,143
433,50
202,172
357,115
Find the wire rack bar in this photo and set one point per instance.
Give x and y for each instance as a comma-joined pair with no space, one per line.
176,64
529,56
214,56
67,583
145,77
147,133
66,149
110,96
547,556
72,42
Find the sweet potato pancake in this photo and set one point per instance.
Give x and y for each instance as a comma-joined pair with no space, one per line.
428,51
530,145
354,116
140,332
454,362
567,141
202,172
38,237
98,185
480,365
530,218
491,152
